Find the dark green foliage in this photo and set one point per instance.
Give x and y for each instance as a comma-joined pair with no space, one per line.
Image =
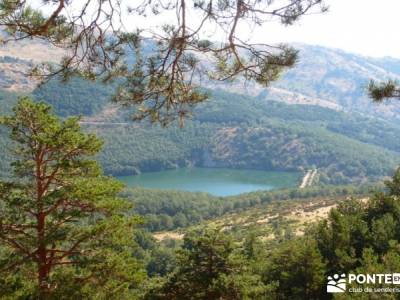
134,149
167,210
356,226
158,258
64,232
212,263
298,269
359,237
76,97
242,132
233,131
383,90
7,101
368,130
210,266
161,263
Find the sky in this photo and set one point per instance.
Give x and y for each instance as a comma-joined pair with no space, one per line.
367,27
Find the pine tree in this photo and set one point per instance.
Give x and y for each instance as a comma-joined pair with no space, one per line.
64,233
211,266
298,268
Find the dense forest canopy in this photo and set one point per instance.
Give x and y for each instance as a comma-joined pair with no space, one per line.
169,210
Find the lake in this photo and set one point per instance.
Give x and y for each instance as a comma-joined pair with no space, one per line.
218,182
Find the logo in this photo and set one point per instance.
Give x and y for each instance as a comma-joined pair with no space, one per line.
384,283
336,284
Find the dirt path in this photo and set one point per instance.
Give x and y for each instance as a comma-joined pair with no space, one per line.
160,236
102,123
308,178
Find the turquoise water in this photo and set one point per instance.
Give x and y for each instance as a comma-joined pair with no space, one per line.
219,182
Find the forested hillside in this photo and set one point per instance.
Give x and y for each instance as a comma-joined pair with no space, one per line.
230,130
168,210
316,116
252,244
331,78
7,101
323,76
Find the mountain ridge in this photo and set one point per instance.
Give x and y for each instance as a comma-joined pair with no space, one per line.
327,77
238,130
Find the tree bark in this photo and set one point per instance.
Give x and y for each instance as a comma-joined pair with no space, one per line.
42,267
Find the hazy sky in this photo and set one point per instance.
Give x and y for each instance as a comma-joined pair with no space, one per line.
368,27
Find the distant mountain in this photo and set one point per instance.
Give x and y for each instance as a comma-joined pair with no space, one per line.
326,77
330,78
232,131
340,78
325,122
16,60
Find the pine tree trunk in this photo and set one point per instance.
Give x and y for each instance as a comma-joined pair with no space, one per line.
42,268
42,263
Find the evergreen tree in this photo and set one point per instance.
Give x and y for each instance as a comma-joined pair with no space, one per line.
64,233
356,225
210,266
380,91
298,270
342,237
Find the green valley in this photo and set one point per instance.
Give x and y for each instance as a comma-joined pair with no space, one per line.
234,131
199,150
